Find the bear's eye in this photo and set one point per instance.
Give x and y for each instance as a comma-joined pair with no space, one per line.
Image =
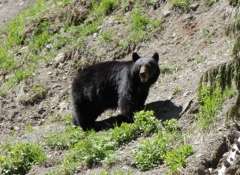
148,65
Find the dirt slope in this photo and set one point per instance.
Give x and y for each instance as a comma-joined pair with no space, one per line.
189,43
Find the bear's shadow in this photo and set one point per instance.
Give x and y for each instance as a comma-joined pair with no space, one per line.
163,110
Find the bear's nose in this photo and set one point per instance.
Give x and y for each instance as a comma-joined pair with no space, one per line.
142,73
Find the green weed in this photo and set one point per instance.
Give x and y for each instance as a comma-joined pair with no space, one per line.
207,35
144,124
168,68
107,36
176,90
150,152
161,148
29,129
64,138
139,27
211,101
181,4
176,159
93,149
19,158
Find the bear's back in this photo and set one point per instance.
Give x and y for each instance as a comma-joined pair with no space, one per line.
103,71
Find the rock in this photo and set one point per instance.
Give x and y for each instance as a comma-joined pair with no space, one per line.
63,105
187,18
194,6
59,59
187,93
166,13
186,107
16,128
79,15
94,35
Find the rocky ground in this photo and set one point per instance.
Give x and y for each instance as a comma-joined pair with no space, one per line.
189,43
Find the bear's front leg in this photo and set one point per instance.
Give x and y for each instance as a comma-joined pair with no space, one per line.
127,106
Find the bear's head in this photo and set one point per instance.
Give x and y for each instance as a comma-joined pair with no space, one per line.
145,67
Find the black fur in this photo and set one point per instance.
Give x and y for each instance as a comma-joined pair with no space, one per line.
109,85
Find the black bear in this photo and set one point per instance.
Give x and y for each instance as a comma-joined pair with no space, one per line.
113,84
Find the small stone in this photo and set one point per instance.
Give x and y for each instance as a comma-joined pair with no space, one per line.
187,93
125,167
21,3
16,128
119,34
59,59
194,6
166,13
94,35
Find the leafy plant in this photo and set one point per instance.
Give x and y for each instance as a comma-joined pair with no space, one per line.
107,36
94,149
29,129
207,35
171,125
177,158
18,159
144,123
64,138
181,4
151,152
139,27
176,90
161,148
211,100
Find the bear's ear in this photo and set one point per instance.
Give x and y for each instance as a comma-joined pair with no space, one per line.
135,57
155,57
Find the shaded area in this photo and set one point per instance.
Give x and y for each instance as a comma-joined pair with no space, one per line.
163,110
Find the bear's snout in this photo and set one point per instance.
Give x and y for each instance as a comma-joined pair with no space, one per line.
143,74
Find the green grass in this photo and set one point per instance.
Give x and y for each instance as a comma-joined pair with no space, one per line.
181,4
176,158
29,129
66,137
165,147
91,149
95,149
211,101
42,38
176,90
139,27
20,157
168,68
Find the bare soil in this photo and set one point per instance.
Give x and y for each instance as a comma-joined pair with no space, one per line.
189,42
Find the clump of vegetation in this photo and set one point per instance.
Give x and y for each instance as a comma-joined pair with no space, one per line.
211,100
19,158
29,129
176,90
144,124
165,147
181,4
64,138
138,26
150,152
177,158
168,68
94,149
